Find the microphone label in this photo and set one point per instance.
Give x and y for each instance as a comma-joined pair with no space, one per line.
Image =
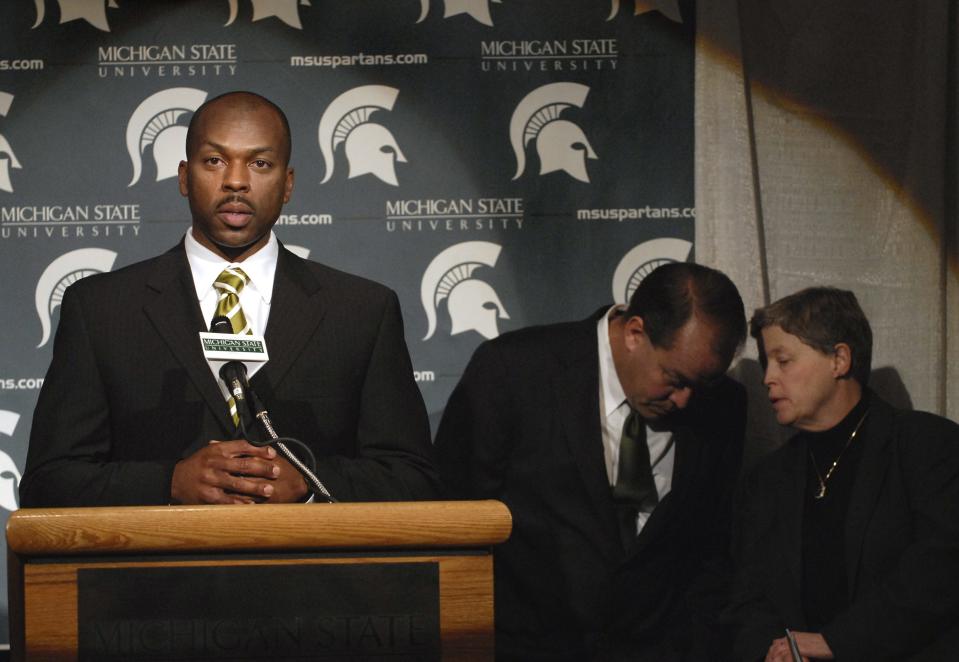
230,347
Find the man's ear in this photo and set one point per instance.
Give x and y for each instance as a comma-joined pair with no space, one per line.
288,185
181,175
841,360
634,332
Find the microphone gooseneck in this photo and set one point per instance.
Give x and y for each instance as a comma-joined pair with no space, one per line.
281,444
233,374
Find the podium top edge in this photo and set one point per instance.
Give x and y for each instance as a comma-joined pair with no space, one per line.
261,527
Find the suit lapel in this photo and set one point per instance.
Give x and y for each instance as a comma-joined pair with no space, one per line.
294,315
576,407
876,434
175,313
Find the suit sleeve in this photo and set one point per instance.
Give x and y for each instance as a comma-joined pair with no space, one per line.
919,599
752,617
474,439
395,459
708,589
69,460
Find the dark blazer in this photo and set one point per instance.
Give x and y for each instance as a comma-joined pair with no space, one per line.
128,392
523,426
901,538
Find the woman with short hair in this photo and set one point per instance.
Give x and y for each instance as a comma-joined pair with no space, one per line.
848,535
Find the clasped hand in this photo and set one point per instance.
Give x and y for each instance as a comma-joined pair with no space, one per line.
812,646
236,472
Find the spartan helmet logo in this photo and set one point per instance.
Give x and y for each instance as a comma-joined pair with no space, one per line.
9,474
561,145
8,159
668,8
61,274
642,259
154,122
472,303
478,9
370,148
93,12
285,10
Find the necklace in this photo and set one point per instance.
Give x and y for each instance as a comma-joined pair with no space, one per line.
835,463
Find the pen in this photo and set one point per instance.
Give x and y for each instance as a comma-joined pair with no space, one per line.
793,646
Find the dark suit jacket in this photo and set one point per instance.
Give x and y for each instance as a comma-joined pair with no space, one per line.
901,537
128,392
523,426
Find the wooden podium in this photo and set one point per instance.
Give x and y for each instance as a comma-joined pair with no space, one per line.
347,581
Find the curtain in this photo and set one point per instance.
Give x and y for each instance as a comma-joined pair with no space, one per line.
825,156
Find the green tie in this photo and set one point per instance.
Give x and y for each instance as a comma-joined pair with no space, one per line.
228,285
635,489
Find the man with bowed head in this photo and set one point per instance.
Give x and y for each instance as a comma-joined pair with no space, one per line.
616,443
848,535
130,412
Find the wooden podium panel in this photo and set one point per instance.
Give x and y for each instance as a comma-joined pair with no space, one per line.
54,553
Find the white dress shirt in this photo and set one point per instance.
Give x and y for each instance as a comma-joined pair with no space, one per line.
613,410
254,298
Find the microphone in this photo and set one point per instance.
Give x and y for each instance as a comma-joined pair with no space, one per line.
249,406
233,374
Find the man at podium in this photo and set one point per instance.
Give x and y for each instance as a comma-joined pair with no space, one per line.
132,414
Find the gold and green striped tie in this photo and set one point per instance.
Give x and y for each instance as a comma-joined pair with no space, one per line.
228,285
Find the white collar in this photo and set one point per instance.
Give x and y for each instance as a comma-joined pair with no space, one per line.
613,394
207,265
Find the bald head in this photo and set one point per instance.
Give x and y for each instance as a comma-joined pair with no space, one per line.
235,102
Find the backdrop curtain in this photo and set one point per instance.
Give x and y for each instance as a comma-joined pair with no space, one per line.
825,155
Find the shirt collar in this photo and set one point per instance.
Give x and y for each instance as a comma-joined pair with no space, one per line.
613,394
207,265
